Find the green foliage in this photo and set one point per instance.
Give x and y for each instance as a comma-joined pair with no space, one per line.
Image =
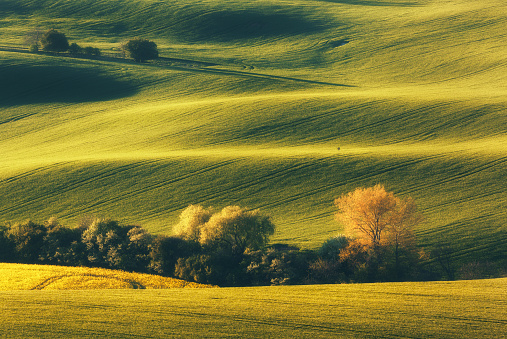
121,247
140,49
34,48
62,245
237,229
7,253
166,251
280,265
107,244
28,238
75,49
330,249
199,268
94,51
233,229
54,41
324,271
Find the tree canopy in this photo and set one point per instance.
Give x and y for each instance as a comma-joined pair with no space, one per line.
140,49
233,228
377,216
54,41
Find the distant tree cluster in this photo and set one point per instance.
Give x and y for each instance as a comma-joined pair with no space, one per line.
75,49
55,41
52,40
209,247
230,247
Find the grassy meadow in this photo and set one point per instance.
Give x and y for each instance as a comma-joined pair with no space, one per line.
460,309
411,91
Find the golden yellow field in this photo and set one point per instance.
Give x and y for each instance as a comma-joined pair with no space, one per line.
48,277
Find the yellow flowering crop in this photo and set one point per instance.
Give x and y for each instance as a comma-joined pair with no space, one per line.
38,277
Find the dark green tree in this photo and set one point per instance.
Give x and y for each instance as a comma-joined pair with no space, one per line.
28,239
54,41
62,245
75,49
111,245
165,252
140,49
6,246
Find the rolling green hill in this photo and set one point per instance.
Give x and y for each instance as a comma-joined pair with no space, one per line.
412,92
460,309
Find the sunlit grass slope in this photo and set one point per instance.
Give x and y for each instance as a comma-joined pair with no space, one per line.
413,93
462,309
48,277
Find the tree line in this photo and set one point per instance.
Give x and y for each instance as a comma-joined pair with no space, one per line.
231,247
52,40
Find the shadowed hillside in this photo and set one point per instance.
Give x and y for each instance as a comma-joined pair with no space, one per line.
41,84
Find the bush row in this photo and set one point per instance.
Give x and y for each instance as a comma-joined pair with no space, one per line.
204,251
52,40
106,243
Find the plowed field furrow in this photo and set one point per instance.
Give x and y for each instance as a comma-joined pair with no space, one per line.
237,186
351,180
461,175
140,191
65,187
27,174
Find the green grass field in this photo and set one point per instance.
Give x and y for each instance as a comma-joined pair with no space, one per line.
415,100
461,309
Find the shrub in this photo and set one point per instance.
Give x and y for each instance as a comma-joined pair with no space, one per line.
33,48
326,272
211,268
277,266
54,41
330,249
75,49
91,51
445,256
198,268
140,49
120,247
165,252
136,249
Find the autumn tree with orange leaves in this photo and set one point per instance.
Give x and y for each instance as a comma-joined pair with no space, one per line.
380,220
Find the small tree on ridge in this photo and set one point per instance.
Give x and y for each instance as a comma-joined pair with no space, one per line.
140,49
54,41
